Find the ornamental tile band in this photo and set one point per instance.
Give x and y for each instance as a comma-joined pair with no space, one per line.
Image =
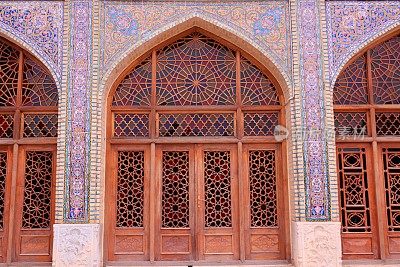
265,22
78,138
316,178
351,24
39,24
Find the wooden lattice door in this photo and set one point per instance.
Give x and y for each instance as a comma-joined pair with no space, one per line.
196,213
175,209
200,112
129,209
28,138
34,211
217,202
367,122
357,201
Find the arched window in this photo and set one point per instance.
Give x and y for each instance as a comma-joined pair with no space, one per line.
28,133
367,120
194,171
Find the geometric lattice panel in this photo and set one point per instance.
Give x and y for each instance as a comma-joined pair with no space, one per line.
351,85
40,125
9,74
196,70
350,123
3,177
131,125
353,190
217,182
256,88
263,200
37,190
6,125
391,171
175,189
260,124
130,189
385,69
135,89
38,88
200,124
387,123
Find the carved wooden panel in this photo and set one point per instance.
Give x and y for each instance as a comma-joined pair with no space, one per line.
260,124
130,189
35,245
350,123
217,181
357,202
263,200
39,87
351,85
387,123
175,189
37,192
212,124
196,70
354,194
385,69
264,243
3,177
135,89
131,125
40,125
175,244
129,244
6,125
218,244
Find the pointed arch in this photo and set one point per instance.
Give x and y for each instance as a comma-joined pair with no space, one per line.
264,58
377,38
36,52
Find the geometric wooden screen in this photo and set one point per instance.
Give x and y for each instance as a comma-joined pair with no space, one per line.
194,106
366,103
28,131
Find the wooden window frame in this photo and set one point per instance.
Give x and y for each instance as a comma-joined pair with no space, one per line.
376,143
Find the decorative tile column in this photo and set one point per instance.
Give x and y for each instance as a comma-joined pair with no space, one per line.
77,242
316,239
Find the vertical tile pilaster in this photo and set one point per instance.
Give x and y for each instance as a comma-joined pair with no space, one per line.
79,113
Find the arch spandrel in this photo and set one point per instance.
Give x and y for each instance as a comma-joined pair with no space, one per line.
347,39
248,46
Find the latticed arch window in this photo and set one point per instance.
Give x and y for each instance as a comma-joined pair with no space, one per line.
193,157
28,132
367,124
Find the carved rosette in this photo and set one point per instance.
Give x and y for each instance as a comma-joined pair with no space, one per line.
316,244
76,245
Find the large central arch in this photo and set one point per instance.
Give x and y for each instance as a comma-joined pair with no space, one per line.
201,105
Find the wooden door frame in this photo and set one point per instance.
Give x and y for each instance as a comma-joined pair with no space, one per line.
372,202
20,193
280,202
111,202
190,148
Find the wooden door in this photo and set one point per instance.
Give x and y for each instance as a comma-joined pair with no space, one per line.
175,212
5,187
389,189
217,202
263,209
357,201
128,197
34,197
